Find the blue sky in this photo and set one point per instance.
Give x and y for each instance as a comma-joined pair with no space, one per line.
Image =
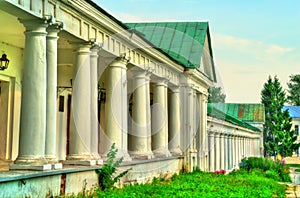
250,39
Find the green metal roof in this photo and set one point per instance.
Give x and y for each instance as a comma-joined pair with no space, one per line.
218,110
183,41
245,112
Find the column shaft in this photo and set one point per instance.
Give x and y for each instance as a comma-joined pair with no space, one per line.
217,152
140,134
33,98
222,149
94,104
174,121
160,120
116,108
226,150
211,151
80,126
51,95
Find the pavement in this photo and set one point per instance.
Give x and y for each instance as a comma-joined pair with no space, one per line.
293,189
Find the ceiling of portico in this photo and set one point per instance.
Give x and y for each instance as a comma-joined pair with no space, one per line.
12,31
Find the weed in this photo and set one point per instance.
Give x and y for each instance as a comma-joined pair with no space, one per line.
106,175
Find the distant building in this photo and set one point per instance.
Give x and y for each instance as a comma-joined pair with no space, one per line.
295,115
253,114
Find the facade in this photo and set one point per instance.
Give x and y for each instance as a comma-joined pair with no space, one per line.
230,138
295,115
79,80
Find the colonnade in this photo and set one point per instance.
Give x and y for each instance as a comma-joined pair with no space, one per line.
167,118
227,149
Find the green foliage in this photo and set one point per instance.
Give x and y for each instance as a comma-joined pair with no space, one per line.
294,90
278,136
267,166
202,184
215,95
106,175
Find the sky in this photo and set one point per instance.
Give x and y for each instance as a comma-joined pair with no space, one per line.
250,39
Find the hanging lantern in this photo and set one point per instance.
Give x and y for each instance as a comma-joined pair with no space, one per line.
4,62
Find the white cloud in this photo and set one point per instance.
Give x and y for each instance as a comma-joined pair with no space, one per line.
254,48
274,49
245,65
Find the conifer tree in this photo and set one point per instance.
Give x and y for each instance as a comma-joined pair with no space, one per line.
278,136
294,90
215,95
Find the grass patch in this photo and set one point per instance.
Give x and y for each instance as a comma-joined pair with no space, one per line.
293,165
201,184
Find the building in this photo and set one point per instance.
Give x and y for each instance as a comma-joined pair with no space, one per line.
232,134
295,115
79,80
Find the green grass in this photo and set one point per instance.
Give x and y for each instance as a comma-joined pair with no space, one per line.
200,184
293,165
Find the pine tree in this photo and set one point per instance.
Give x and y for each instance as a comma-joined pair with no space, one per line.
278,136
215,95
294,90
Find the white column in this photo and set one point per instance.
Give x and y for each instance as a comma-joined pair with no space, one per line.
33,99
139,147
222,153
211,151
148,113
203,125
159,122
233,151
51,94
174,121
217,151
94,103
226,151
236,163
229,152
80,124
242,147
116,130
201,148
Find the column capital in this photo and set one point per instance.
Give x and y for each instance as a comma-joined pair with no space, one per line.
95,45
55,27
161,81
124,58
175,89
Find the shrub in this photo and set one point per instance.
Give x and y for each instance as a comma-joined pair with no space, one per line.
266,164
106,174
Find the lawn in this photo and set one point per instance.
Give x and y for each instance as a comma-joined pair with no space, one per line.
200,184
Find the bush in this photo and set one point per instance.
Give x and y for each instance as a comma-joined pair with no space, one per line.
106,174
266,164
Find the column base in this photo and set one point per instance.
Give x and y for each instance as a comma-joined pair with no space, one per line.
57,166
176,152
41,167
97,158
30,163
54,162
160,153
84,159
141,155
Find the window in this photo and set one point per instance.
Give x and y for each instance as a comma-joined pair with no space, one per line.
297,129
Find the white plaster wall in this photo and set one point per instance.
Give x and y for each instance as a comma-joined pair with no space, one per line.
14,75
38,187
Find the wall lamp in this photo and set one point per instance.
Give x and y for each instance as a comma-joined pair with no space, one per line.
4,62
